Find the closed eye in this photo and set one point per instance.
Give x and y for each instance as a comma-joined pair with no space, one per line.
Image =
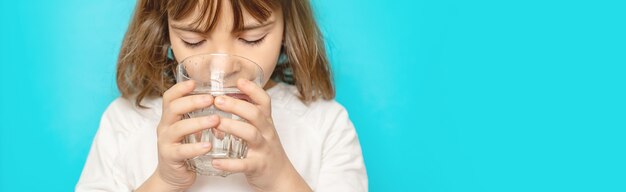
253,42
193,44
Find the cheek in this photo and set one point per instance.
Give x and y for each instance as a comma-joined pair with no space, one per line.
179,51
267,56
268,63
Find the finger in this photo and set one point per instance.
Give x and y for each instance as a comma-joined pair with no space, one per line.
176,132
257,94
173,93
176,91
242,130
243,109
232,165
184,105
191,150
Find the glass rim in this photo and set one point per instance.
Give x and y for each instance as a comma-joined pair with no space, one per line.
220,55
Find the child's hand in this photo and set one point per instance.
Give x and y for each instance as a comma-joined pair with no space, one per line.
266,166
171,173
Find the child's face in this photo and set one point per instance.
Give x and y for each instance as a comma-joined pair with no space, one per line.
259,42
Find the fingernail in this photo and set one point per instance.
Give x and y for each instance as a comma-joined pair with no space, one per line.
206,145
243,82
207,99
216,162
209,120
219,100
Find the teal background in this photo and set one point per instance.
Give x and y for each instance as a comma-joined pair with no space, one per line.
446,95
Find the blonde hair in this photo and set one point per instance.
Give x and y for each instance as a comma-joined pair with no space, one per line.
144,70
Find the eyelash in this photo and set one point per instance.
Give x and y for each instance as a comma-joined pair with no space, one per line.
253,43
193,45
250,43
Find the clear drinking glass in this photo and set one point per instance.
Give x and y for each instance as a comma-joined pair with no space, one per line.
217,74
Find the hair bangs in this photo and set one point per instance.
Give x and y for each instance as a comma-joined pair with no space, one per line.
208,12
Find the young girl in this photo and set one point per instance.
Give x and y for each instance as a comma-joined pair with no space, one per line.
299,138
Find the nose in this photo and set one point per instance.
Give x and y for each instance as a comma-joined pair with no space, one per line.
221,43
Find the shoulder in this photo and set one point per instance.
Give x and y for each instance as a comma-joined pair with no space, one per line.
123,106
285,98
123,112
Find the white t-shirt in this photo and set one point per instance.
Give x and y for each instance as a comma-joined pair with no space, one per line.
319,139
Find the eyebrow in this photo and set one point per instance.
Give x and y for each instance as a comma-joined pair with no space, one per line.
198,30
